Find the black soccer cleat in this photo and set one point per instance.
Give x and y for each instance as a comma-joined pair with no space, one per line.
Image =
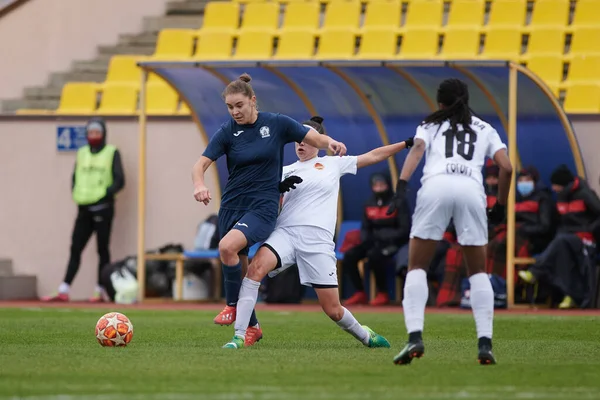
486,357
410,351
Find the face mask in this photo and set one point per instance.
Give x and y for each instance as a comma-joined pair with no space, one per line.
525,188
95,142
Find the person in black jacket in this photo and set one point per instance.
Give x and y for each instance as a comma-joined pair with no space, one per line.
568,261
97,177
535,218
381,237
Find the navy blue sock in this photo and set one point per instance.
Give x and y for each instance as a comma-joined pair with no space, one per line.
233,281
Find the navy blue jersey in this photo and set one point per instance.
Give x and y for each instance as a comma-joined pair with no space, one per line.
254,160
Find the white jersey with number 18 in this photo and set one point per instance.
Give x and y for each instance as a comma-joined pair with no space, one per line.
457,152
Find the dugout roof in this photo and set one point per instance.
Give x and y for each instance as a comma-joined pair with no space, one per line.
369,104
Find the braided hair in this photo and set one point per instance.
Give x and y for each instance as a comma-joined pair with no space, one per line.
453,94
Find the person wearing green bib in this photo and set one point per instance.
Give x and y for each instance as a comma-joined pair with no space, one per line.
97,177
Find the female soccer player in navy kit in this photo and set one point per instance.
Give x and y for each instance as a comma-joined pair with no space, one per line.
253,143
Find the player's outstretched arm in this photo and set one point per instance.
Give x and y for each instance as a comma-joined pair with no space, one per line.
382,153
410,165
201,192
324,142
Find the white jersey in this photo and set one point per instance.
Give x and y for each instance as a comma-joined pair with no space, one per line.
314,201
458,153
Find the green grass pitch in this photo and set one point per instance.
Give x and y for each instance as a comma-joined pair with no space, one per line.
52,354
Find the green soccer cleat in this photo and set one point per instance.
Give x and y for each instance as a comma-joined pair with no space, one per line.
410,351
376,340
235,343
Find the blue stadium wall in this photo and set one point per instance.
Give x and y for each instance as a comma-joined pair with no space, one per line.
367,105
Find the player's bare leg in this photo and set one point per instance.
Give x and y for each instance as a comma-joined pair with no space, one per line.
416,292
263,262
482,301
229,247
329,299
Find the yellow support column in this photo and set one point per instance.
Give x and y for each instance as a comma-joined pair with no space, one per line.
141,260
510,217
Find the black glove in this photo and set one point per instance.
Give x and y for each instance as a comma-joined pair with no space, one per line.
399,197
289,183
496,214
409,142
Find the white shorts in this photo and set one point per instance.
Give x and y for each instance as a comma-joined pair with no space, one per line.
312,249
444,197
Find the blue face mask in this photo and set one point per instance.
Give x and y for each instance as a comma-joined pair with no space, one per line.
525,188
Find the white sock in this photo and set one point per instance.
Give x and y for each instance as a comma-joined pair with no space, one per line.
482,304
351,325
99,289
416,293
245,305
64,288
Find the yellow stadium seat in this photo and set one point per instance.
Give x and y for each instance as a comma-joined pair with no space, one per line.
502,44
507,12
118,99
584,68
78,98
461,43
546,41
260,16
295,45
378,44
419,44
466,13
337,45
550,13
124,69
302,16
586,13
214,46
585,40
184,109
548,67
220,16
342,15
424,13
174,44
383,15
583,98
161,99
254,45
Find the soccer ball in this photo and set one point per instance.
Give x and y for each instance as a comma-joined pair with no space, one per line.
114,329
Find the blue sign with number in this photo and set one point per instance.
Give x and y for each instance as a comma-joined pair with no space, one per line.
70,138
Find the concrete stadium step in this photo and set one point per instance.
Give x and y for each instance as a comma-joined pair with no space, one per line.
12,105
18,287
141,50
97,65
186,7
6,268
42,92
155,24
58,79
138,39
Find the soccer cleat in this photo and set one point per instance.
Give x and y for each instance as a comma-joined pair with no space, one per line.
381,299
236,343
59,297
357,298
410,351
375,339
486,357
226,317
566,303
253,335
97,297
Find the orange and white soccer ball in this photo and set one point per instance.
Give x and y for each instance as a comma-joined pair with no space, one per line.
114,329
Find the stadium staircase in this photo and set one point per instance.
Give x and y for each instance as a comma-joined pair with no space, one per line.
182,14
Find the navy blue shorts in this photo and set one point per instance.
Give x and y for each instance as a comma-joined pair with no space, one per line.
254,226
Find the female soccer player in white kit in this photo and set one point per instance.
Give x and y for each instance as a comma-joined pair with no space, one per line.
456,144
304,236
